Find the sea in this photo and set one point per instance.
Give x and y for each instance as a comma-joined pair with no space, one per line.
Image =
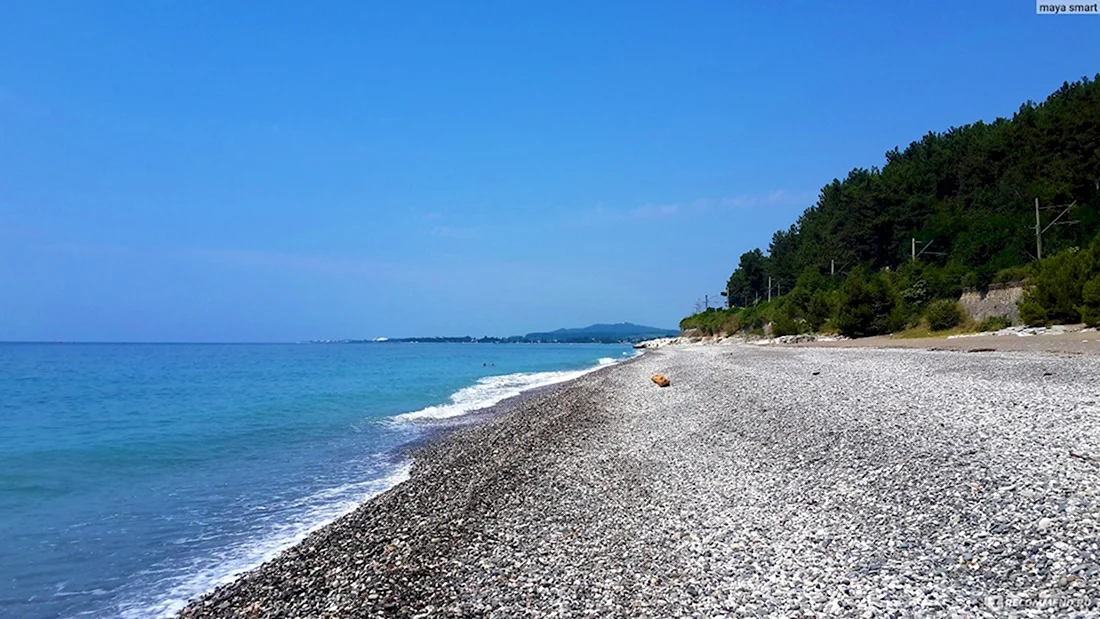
134,477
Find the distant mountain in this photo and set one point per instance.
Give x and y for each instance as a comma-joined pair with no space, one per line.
600,334
618,332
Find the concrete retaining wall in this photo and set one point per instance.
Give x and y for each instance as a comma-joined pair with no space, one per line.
1001,300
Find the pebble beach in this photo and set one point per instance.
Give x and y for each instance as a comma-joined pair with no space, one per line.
763,482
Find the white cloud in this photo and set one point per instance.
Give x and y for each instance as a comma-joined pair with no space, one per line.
448,232
776,198
657,210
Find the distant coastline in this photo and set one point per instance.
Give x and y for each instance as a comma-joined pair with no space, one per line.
515,339
619,333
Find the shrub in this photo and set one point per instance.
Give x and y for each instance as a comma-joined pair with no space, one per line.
1090,305
709,322
994,323
753,319
1014,275
1058,290
820,310
785,324
916,294
944,314
806,307
732,324
868,306
946,282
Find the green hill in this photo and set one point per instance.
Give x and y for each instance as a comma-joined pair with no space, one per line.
619,332
963,201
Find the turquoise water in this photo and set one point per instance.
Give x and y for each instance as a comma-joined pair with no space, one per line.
135,476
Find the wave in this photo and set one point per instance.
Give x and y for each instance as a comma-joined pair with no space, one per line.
493,390
291,522
210,572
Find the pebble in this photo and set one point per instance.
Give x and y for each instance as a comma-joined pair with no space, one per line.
743,490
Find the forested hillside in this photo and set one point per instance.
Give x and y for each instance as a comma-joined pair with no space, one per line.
966,197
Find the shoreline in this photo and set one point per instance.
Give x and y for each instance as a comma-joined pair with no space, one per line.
432,431
436,430
765,480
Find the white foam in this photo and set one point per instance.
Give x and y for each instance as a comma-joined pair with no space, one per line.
327,505
493,390
210,572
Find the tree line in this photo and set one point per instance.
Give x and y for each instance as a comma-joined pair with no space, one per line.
964,200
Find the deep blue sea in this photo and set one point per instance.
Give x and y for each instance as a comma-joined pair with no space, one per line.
135,476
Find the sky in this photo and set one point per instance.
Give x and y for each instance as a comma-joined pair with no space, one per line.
280,171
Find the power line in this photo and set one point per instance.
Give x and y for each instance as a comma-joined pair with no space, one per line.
914,254
705,305
1039,230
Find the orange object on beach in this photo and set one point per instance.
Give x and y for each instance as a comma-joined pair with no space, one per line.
661,380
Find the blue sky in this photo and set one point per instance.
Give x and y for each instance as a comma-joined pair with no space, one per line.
189,171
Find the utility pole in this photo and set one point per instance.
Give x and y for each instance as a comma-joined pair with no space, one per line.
769,289
832,268
1038,233
914,254
1039,230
